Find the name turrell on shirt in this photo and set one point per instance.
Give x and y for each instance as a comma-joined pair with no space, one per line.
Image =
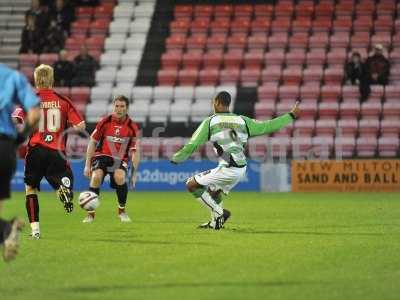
50,104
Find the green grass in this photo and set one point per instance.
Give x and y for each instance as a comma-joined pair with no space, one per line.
276,246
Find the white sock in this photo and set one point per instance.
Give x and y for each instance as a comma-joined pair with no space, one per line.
208,201
35,227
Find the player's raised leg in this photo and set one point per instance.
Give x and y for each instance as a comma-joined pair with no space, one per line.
121,188
201,193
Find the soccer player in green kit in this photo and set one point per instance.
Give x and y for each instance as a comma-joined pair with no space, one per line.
229,134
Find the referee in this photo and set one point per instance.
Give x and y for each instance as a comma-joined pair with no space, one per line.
14,90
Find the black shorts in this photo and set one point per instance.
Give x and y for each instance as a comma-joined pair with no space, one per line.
42,162
8,163
108,165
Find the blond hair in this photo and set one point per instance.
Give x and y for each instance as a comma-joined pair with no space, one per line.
44,76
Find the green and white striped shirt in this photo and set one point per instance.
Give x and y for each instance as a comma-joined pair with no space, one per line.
229,134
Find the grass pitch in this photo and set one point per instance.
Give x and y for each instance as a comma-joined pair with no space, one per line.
275,246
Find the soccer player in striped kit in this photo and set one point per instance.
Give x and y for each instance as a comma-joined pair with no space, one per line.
229,134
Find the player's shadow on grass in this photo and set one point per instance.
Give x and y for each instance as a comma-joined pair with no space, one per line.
101,289
253,231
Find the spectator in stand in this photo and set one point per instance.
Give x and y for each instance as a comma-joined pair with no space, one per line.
63,70
85,68
40,14
87,2
63,13
354,69
377,70
54,38
31,38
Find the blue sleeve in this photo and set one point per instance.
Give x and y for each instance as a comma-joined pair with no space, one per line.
25,96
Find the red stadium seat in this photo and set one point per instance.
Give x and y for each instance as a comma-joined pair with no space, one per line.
388,146
216,41
288,92
223,10
345,146
171,59
324,9
298,40
229,76
183,11
319,40
48,58
80,27
369,126
260,25
344,9
391,109
268,92
295,57
363,24
301,25
265,109
179,26
83,12
347,127
187,76
209,76
392,91
292,75
236,42
95,42
337,56
167,76
340,39
199,26
371,109
313,74
271,74
263,10
331,93
196,42
322,25
316,57
75,43
80,94
258,41
309,109
213,58
350,93
384,38
192,60
175,42
390,127
233,58
349,110
250,76
310,91
274,57
304,9
281,25
203,10
333,75
383,24
278,41
366,146
284,9
243,10
253,58
342,25
328,109
220,26
240,25
28,60
99,27
104,11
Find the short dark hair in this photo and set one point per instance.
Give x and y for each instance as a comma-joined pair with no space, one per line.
356,54
122,98
224,98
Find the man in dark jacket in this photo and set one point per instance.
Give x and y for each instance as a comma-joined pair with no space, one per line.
63,70
64,14
31,37
377,70
354,69
54,38
85,68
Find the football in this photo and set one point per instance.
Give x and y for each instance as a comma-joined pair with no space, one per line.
89,200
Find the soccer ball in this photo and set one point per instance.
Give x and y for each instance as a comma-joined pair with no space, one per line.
88,200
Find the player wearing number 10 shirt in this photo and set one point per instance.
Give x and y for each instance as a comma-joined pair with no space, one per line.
47,145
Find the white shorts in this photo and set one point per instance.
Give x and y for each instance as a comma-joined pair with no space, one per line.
221,178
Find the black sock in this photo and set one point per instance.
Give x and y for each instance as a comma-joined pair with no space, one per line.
95,190
32,208
4,229
122,193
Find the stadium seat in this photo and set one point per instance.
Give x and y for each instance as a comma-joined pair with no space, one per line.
167,76
288,92
316,57
48,58
250,76
295,57
347,127
204,93
80,94
388,146
180,111
187,76
159,111
331,93
312,74
344,146
229,75
369,126
349,109
143,93
371,109
302,147
333,75
328,109
28,60
264,109
390,127
366,146
292,75
268,92
209,76
183,94
274,57
271,74
319,40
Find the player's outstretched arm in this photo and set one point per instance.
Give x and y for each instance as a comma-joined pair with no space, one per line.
257,127
89,155
199,137
81,126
